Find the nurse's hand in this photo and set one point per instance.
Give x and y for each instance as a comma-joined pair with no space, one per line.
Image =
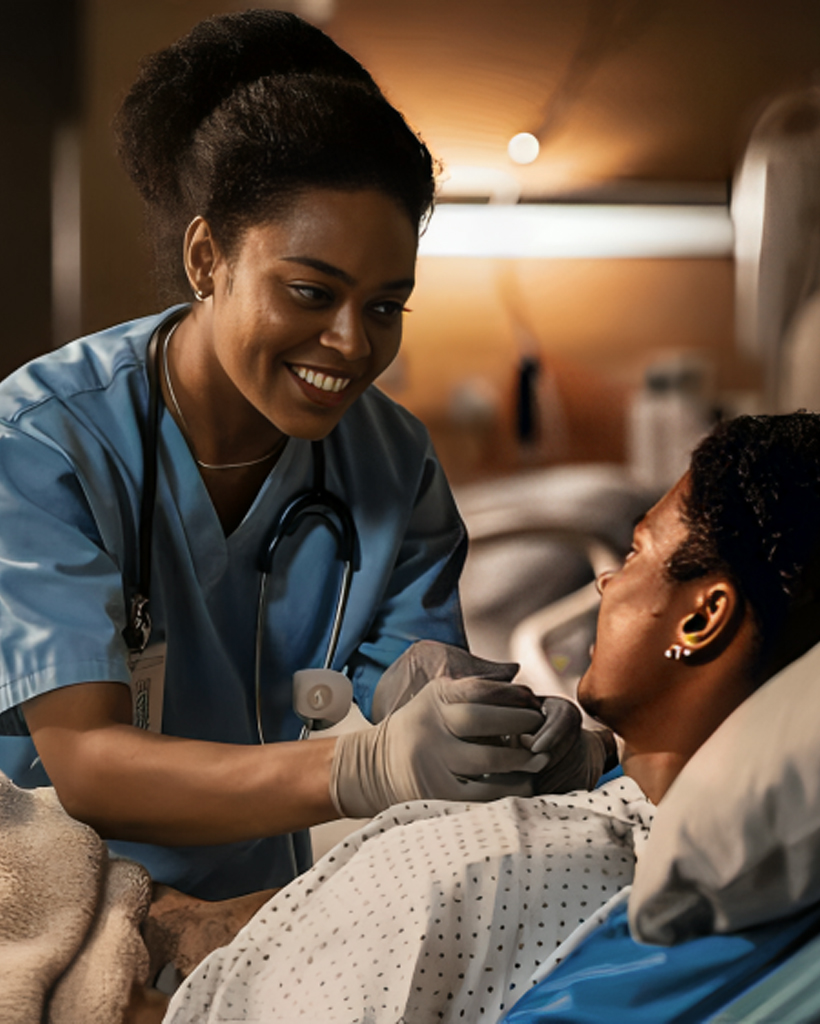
577,757
454,740
431,659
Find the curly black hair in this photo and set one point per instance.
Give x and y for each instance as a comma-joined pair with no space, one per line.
753,512
248,111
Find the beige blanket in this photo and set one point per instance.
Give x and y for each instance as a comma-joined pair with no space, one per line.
70,943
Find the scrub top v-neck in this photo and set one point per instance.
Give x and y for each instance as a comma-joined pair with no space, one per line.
70,485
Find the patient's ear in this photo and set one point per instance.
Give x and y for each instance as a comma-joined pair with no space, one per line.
710,625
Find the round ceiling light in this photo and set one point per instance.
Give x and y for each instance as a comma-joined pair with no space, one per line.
523,148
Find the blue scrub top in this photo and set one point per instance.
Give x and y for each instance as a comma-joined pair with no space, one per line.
70,486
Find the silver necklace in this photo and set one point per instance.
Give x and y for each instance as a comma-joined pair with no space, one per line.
184,424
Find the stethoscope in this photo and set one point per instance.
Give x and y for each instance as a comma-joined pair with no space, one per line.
321,696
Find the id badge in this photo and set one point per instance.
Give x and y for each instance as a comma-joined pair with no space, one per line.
148,686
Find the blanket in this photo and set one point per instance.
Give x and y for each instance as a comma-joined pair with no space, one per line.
70,915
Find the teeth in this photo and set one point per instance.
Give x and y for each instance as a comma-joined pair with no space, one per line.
322,381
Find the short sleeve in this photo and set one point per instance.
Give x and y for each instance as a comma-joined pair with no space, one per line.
61,593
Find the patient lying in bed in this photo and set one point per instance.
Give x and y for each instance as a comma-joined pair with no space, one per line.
443,911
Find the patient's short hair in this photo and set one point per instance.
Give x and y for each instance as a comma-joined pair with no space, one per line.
753,512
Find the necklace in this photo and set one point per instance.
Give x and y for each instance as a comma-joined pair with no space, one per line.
183,423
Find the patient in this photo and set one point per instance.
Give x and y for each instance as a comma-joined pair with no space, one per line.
443,911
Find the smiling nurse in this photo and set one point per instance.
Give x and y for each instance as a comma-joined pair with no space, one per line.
293,192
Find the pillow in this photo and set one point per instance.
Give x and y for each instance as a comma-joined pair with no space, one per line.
736,840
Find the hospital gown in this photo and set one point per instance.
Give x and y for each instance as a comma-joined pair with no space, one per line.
433,911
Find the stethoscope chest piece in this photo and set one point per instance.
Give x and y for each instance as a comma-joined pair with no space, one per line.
321,695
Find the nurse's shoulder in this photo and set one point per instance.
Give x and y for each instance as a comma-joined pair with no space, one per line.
71,380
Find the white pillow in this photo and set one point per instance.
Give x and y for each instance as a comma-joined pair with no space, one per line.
736,840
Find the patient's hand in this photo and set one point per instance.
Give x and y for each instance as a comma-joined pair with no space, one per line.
182,930
146,1006
577,757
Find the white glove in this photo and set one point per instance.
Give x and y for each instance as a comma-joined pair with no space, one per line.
426,660
448,742
577,757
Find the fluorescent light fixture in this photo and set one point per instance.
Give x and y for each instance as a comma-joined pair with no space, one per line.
578,231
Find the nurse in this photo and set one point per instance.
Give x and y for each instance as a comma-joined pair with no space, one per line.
285,196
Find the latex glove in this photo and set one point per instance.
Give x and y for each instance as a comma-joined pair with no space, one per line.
577,757
447,742
426,660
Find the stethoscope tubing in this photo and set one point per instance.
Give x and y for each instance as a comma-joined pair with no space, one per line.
322,504
316,501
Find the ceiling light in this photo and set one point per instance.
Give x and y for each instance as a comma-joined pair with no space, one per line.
578,231
523,148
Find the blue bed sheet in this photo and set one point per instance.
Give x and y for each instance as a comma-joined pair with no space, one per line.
613,978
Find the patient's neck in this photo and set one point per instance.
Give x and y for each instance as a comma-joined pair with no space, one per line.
654,771
661,735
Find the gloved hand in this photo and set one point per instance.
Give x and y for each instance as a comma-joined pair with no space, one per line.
447,742
577,757
426,660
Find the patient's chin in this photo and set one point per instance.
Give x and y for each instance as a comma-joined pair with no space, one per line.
587,700
594,706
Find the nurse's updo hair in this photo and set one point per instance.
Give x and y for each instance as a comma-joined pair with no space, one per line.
753,511
239,117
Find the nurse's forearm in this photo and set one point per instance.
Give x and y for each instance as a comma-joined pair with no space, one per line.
159,789
133,785
185,792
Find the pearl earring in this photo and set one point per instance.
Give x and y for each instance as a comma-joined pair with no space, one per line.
200,296
676,652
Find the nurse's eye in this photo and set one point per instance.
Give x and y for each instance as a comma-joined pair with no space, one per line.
312,293
389,308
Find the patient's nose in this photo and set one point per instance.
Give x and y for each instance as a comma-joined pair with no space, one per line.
602,579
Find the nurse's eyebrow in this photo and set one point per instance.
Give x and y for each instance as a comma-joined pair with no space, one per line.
342,275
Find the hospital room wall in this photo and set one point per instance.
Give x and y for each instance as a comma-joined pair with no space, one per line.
595,325
39,93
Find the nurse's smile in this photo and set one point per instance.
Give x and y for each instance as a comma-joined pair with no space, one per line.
295,325
317,380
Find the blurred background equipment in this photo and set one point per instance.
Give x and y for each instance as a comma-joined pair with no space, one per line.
668,416
776,214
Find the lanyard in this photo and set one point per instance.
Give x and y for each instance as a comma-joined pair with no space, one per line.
138,629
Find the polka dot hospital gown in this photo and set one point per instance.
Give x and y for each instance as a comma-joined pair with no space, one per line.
434,911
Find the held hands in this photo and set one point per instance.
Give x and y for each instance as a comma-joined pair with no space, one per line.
445,742
430,659
453,726
577,757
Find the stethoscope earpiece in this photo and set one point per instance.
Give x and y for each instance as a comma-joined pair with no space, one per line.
321,695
